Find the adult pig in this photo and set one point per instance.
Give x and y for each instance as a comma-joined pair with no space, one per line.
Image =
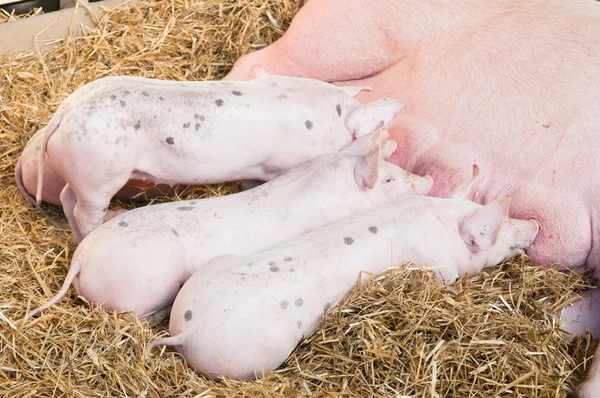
512,85
239,316
138,261
120,128
26,172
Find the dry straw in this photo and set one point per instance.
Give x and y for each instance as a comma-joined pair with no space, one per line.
401,334
6,16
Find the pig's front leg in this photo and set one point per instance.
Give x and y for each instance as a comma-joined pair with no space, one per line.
332,40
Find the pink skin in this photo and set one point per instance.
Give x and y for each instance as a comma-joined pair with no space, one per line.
138,261
26,175
116,129
510,85
240,316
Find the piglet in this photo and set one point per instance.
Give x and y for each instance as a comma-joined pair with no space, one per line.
139,260
238,316
120,128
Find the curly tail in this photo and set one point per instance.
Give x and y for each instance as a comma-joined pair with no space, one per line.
73,272
171,341
50,129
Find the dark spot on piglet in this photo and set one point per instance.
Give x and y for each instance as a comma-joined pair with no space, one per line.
284,304
299,302
123,103
186,125
123,224
236,93
348,240
105,209
338,108
373,229
219,102
287,259
249,265
137,125
188,315
197,126
126,92
113,97
308,124
145,94
196,116
185,208
299,324
170,140
273,266
161,98
174,232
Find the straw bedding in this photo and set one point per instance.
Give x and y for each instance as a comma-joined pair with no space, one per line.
401,334
6,16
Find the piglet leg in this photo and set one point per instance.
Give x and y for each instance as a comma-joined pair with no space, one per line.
69,201
91,209
110,214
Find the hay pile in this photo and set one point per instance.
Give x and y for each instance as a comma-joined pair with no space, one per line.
402,334
6,16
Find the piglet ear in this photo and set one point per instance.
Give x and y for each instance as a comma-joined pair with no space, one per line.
387,149
365,119
257,71
463,191
367,169
481,228
367,143
353,91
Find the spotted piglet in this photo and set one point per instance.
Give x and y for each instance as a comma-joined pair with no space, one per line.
138,261
241,315
120,128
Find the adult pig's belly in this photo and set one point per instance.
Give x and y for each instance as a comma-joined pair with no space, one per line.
523,102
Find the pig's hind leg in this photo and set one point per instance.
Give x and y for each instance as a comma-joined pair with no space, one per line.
92,202
69,200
